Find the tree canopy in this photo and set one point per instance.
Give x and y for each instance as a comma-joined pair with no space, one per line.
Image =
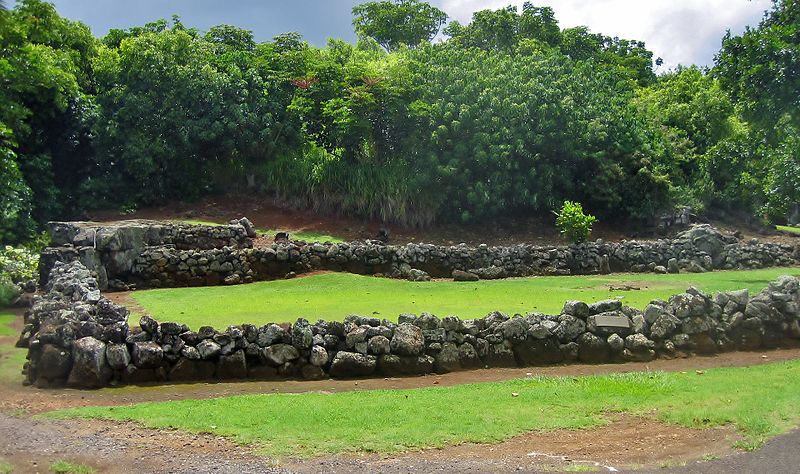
506,115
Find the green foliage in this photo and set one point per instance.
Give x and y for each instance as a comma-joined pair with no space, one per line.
332,296
17,265
761,68
398,22
509,115
573,224
424,418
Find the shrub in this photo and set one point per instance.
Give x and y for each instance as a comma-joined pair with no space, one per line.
16,265
574,225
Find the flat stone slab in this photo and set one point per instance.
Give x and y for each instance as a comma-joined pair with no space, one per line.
612,321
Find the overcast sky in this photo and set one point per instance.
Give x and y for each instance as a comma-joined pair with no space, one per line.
680,31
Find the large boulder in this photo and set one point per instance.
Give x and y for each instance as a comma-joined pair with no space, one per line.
592,349
318,357
89,367
407,340
279,354
147,355
448,359
352,364
232,366
54,363
118,356
538,352
393,365
461,275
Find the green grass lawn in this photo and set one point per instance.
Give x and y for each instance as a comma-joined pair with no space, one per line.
6,318
333,296
307,235
787,228
759,401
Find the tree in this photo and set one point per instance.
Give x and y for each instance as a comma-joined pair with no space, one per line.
761,68
45,65
401,22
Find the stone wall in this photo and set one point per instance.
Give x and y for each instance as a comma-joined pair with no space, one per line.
109,249
229,259
76,337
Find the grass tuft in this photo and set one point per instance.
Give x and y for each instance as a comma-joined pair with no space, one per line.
787,228
66,467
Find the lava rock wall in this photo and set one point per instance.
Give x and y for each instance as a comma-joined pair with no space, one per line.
77,337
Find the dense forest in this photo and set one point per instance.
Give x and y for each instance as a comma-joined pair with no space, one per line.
420,121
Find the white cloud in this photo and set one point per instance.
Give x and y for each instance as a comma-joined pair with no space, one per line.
679,31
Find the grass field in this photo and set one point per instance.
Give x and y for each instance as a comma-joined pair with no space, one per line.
333,296
6,318
307,235
388,421
787,228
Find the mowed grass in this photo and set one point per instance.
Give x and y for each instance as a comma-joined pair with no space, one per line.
11,358
6,319
306,235
787,228
759,401
332,296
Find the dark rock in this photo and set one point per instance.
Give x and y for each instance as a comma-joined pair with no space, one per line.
318,357
460,275
393,365
89,367
118,356
148,324
407,340
448,359
592,349
147,355
232,366
54,363
501,355
538,352
605,306
279,354
578,309
378,345
208,349
352,364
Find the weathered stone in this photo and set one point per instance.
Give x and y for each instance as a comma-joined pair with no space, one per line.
460,275
538,352
605,306
514,330
664,326
279,354
569,328
117,356
89,367
468,356
448,359
147,355
208,349
501,355
615,343
378,345
232,366
592,349
352,364
407,340
578,309
318,357
269,334
54,363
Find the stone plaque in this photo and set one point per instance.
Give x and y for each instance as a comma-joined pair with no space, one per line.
612,321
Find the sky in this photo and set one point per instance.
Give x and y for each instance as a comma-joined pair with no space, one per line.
679,31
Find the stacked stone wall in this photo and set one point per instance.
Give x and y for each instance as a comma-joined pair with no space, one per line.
77,337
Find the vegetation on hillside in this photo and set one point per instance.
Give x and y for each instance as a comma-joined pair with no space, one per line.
508,114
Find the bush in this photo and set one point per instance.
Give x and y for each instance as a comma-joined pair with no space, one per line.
574,225
17,265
